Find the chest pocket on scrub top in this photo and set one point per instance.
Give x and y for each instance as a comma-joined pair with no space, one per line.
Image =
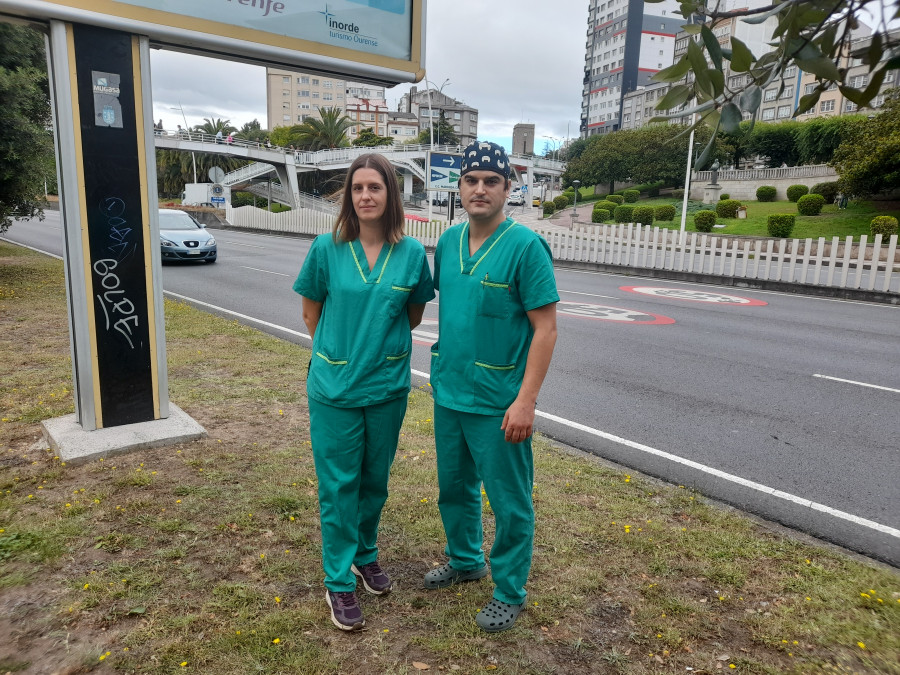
495,299
399,297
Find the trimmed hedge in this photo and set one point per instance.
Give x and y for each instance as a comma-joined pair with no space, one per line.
606,204
642,215
704,220
883,225
827,190
766,193
665,212
623,214
631,196
600,215
780,224
618,200
724,195
549,208
810,205
794,192
678,193
560,201
728,208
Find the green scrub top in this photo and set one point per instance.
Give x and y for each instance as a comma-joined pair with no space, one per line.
362,343
478,363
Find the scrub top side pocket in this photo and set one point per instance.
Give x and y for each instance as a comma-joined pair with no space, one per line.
329,377
398,298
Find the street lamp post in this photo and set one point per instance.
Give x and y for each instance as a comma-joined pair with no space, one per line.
193,158
431,130
575,183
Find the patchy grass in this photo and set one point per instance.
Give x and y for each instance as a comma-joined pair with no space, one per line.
204,557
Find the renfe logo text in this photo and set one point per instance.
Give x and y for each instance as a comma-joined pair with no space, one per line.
266,6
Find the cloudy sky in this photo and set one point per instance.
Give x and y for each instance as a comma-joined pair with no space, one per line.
515,61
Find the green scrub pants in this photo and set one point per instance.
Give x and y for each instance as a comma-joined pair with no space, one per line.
353,449
471,450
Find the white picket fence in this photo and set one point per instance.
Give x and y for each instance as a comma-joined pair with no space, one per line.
842,263
846,263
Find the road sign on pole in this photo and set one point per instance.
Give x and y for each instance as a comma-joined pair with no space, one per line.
443,171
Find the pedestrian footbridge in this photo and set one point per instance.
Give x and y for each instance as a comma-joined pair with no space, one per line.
287,163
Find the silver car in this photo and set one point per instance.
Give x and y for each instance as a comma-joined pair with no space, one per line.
183,238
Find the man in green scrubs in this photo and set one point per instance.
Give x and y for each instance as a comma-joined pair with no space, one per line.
497,330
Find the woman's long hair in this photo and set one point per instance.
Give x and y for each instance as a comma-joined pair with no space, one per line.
346,227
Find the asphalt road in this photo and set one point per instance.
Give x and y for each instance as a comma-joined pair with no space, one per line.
783,405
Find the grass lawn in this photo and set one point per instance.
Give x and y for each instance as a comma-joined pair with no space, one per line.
204,557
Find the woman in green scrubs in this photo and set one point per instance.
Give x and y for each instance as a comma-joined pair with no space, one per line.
364,289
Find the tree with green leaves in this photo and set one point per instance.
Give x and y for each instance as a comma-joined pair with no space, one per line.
815,35
252,131
775,142
213,126
329,130
819,138
367,138
443,133
26,145
868,161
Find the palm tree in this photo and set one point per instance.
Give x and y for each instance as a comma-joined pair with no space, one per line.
212,127
327,132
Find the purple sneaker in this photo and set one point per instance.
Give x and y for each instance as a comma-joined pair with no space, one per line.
345,611
375,579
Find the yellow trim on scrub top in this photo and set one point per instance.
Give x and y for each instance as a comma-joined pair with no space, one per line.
333,363
398,357
491,367
359,267
462,234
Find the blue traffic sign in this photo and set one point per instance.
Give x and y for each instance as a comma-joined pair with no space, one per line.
443,171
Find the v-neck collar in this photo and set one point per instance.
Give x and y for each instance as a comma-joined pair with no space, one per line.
359,257
468,263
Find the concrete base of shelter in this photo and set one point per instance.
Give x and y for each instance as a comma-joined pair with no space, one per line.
74,445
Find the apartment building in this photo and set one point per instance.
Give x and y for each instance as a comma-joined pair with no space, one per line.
628,41
291,97
427,104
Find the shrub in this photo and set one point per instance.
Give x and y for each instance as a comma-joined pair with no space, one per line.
704,220
810,205
560,201
794,192
727,208
884,225
665,212
766,193
599,215
642,215
724,195
631,196
623,214
653,191
618,200
549,208
606,204
827,190
678,193
781,224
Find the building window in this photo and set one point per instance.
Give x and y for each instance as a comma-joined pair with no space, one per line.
810,88
327,84
304,106
285,106
315,81
889,76
768,114
285,92
788,92
285,80
784,111
826,106
791,71
315,94
457,116
850,106
303,80
304,93
327,96
859,81
770,94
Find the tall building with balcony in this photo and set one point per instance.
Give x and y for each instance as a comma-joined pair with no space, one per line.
628,42
292,97
427,105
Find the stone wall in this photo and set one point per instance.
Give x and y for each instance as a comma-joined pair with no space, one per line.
742,184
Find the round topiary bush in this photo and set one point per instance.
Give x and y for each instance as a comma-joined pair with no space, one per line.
766,193
884,225
618,200
631,196
678,193
704,220
728,208
606,204
665,212
827,190
623,214
642,215
794,192
549,208
724,195
810,205
600,215
560,201
780,224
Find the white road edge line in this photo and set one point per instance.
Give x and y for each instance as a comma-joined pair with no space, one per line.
861,384
815,506
256,269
